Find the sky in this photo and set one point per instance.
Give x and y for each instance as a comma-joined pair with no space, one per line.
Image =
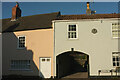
66,8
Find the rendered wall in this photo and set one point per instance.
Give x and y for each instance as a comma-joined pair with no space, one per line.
98,46
39,43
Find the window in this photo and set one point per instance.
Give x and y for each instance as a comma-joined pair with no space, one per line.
21,42
48,59
116,59
45,59
72,31
116,30
20,64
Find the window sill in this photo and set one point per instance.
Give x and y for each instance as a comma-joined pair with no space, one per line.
21,48
72,39
20,69
116,37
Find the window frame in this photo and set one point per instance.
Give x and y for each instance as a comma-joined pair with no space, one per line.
114,30
75,31
18,42
115,55
13,64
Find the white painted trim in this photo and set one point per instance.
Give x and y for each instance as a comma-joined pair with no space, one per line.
112,33
115,61
82,20
18,42
75,31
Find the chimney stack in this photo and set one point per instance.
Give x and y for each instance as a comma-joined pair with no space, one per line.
88,5
88,11
16,12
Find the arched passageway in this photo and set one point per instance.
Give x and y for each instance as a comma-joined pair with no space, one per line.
72,63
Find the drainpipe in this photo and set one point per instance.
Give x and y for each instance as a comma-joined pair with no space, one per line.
53,25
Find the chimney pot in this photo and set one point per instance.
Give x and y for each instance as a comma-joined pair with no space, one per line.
88,11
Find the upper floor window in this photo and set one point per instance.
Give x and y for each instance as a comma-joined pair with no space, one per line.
116,30
21,41
72,31
116,59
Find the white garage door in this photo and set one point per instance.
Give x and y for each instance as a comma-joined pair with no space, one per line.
45,67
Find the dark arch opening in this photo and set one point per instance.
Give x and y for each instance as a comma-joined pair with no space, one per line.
72,64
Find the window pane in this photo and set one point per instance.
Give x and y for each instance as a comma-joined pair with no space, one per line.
72,28
20,64
43,59
72,31
115,30
117,63
69,28
113,58
72,35
48,59
68,34
22,42
114,64
117,58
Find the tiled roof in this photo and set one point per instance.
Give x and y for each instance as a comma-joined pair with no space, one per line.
84,16
44,21
41,21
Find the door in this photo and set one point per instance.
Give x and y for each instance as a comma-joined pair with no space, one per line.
45,67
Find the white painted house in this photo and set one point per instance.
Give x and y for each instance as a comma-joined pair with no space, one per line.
96,35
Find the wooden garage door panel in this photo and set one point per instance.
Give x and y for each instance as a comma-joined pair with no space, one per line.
45,67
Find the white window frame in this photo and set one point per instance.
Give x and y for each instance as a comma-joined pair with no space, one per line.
114,30
13,64
69,31
18,42
116,55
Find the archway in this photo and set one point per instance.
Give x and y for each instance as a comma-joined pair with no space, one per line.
72,64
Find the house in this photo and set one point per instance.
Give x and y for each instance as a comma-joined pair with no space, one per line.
27,44
94,35
55,45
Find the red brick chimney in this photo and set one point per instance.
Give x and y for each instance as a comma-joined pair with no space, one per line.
16,12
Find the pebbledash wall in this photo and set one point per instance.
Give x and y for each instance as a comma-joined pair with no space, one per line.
98,46
37,45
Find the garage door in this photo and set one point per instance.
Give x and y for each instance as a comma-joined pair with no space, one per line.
45,67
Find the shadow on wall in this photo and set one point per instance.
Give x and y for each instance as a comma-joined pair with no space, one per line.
11,52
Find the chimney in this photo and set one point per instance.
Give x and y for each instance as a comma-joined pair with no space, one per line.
16,12
88,11
93,12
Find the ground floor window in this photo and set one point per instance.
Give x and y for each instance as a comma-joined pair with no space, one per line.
116,59
20,64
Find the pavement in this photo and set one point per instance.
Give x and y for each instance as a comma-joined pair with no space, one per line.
78,75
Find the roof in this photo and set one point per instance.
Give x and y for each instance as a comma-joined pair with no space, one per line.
44,21
84,16
41,21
